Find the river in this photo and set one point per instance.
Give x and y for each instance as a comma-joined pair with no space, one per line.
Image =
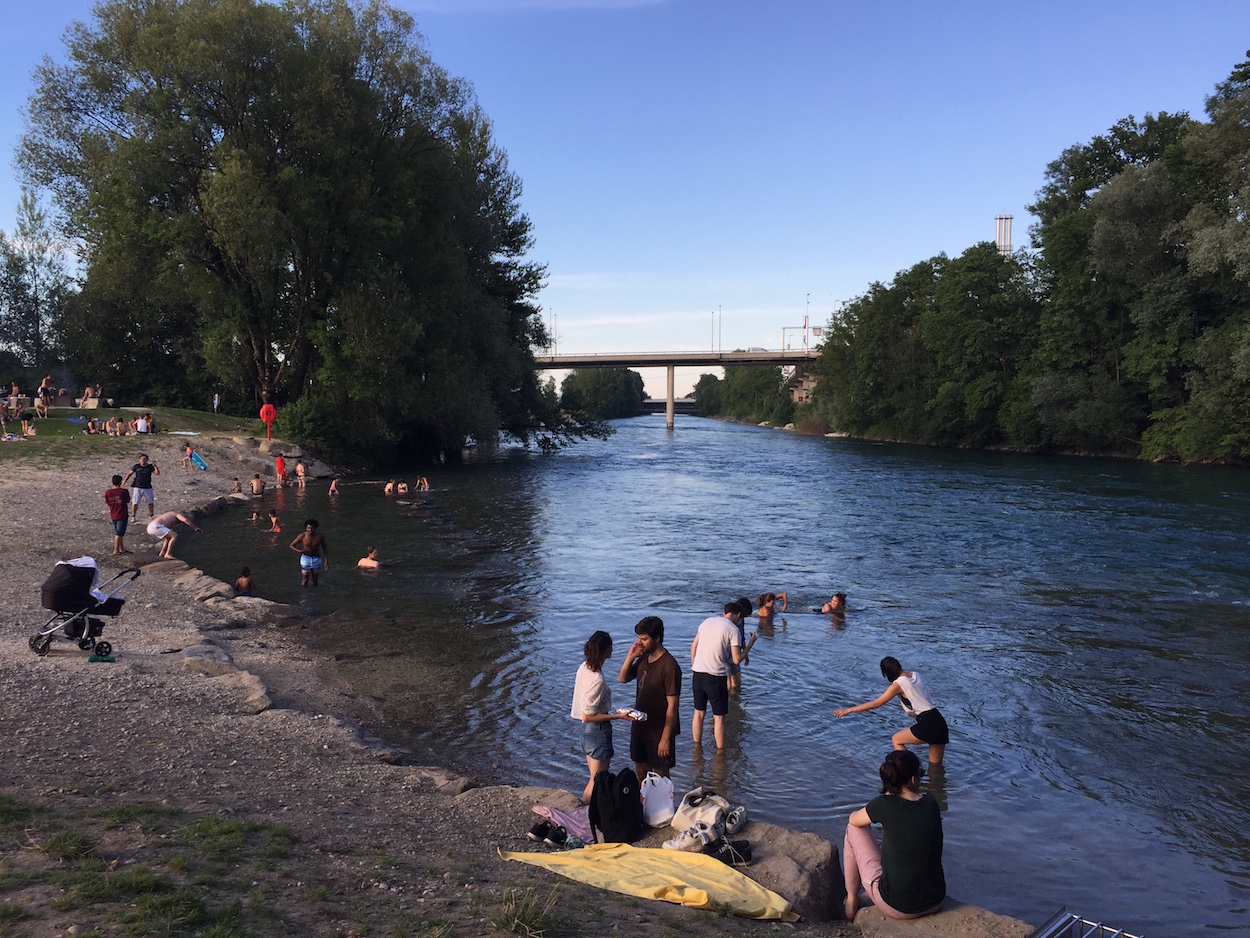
1082,623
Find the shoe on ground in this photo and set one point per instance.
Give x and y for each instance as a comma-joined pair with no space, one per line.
736,819
730,852
540,831
556,837
692,839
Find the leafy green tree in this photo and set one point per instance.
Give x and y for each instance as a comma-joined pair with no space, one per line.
707,396
34,288
603,393
318,198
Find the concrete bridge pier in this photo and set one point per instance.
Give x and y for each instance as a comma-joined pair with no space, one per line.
668,411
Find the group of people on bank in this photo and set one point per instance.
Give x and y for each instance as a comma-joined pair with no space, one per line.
903,876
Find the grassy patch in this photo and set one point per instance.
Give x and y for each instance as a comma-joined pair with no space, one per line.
69,846
165,913
417,928
61,437
11,913
526,913
13,813
146,816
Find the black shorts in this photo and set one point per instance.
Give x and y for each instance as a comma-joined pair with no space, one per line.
642,749
710,687
931,728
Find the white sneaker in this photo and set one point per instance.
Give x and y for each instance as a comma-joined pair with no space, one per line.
692,839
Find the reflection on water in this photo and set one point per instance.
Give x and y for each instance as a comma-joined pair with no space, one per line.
1081,623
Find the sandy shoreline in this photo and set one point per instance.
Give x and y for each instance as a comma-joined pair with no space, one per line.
243,728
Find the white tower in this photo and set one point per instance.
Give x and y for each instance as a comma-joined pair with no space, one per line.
1002,234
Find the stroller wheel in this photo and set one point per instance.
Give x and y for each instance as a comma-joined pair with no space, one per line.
103,649
39,644
86,644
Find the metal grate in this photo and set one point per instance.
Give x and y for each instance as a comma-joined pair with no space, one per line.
1064,924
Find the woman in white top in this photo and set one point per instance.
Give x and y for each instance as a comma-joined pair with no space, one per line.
592,704
930,728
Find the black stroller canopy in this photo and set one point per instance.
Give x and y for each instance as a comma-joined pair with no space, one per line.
68,589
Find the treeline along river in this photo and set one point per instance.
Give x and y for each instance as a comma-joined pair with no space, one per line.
1082,623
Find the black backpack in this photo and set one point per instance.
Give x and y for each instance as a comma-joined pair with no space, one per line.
616,807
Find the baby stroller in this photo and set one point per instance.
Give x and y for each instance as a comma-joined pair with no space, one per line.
76,596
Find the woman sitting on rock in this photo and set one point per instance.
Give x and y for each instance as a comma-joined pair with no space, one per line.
903,877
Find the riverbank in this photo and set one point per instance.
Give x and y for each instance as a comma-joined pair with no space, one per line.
228,776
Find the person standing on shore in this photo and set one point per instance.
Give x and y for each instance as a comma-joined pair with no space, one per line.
279,468
118,500
312,548
930,728
658,692
716,646
164,526
142,472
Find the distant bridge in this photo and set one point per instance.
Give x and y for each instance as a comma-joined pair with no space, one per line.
670,360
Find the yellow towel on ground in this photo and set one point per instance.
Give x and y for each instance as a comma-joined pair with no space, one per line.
690,879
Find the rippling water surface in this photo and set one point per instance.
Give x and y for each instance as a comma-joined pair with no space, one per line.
1083,625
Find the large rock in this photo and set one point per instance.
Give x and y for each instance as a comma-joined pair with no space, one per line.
208,660
253,694
956,920
801,866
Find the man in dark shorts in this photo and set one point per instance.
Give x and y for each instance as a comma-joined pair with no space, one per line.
658,681
716,646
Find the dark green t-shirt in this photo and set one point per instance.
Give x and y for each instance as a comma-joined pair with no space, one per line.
911,851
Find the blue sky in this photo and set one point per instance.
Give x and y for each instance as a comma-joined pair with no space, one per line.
765,159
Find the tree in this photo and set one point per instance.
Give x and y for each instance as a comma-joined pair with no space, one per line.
603,393
707,396
319,198
34,287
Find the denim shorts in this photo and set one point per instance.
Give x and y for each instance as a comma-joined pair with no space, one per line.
597,740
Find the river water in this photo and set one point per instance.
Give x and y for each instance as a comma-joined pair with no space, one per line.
1083,625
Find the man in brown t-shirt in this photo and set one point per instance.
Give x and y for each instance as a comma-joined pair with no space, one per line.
658,680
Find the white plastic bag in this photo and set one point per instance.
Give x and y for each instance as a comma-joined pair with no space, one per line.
700,804
657,799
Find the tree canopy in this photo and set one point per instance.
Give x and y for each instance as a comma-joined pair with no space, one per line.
747,392
603,393
1126,330
293,203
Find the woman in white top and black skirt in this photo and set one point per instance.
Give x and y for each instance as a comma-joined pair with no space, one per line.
930,727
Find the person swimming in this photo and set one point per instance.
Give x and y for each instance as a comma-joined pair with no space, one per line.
767,601
837,603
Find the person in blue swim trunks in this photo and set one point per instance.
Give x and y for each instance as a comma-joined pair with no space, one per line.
314,553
